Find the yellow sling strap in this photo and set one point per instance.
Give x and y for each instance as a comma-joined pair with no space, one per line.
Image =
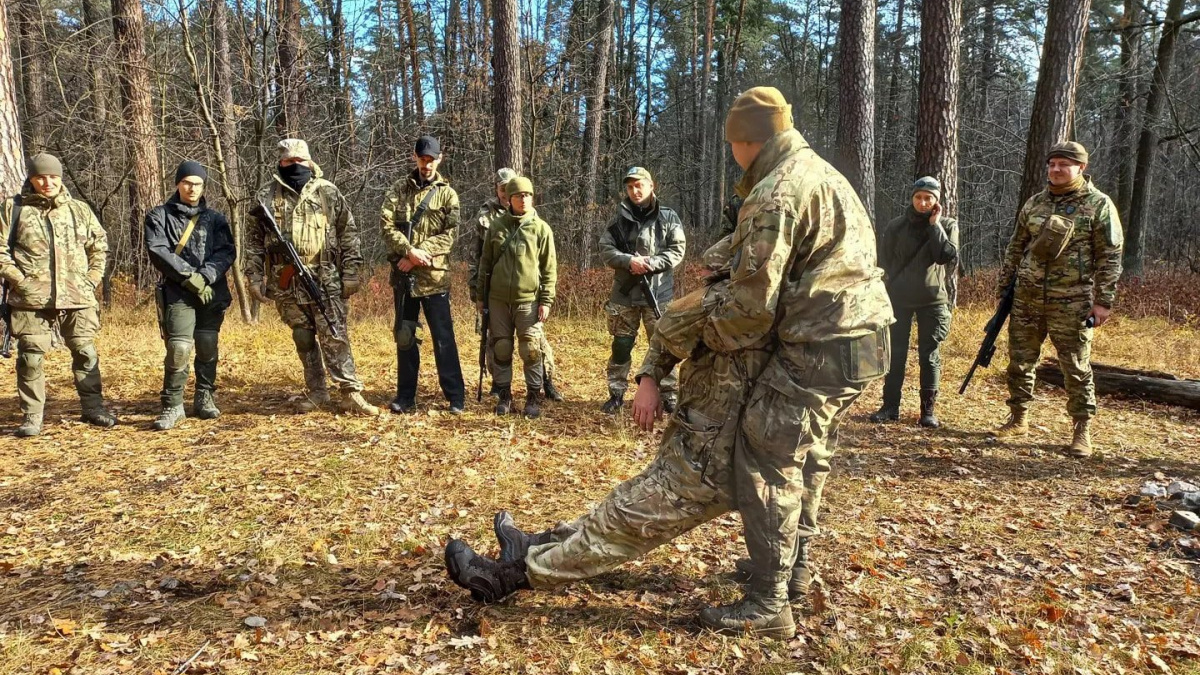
187,234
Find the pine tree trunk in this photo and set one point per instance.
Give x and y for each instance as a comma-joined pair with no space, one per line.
1135,230
506,96
290,79
1127,110
98,48
31,40
12,170
856,99
937,113
145,188
594,113
1053,115
414,57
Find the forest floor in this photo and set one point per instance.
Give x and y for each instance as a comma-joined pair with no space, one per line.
130,551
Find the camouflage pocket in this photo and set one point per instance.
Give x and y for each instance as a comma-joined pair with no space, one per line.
866,358
692,451
1053,238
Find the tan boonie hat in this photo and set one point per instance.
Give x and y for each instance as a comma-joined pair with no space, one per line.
293,147
637,173
756,115
1069,150
518,185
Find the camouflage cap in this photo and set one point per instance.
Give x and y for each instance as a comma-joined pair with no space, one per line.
637,173
518,185
293,147
45,164
1069,150
504,175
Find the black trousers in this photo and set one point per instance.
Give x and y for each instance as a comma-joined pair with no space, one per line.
408,348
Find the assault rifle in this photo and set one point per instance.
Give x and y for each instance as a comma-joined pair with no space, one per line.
5,310
642,280
990,332
308,280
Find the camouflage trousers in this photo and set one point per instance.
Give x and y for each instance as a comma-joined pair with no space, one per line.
759,445
504,321
1034,319
319,349
34,332
623,324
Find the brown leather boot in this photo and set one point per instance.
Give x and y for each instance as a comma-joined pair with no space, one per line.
1081,442
1017,424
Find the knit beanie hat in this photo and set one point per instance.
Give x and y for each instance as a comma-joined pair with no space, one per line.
518,185
44,164
190,168
928,184
1070,150
756,115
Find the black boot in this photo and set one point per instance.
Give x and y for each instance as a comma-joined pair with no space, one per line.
504,405
514,543
886,413
614,403
928,401
533,408
488,580
552,391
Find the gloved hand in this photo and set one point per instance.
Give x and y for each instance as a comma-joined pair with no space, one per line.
350,286
259,290
206,295
195,283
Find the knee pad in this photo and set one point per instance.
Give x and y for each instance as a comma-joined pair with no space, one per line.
408,335
83,351
305,339
178,351
34,344
206,345
503,350
530,352
622,348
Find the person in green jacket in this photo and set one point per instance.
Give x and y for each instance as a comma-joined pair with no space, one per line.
517,275
916,251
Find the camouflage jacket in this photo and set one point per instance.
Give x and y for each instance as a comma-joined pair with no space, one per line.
58,254
489,214
659,236
804,256
318,222
434,234
1089,266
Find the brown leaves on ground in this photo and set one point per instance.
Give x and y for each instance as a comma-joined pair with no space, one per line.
267,542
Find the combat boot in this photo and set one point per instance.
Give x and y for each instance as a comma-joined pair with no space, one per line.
312,401
504,404
514,543
552,392
489,581
1017,424
533,408
204,405
1081,443
614,403
928,401
402,405
803,572
98,416
886,413
750,616
30,426
169,417
353,402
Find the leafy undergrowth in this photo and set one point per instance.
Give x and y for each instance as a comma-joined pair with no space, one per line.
126,550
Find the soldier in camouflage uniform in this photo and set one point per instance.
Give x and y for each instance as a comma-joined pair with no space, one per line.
52,258
489,214
1065,258
419,221
644,239
314,216
788,344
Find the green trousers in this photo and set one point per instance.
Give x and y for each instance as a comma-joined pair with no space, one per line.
34,331
188,324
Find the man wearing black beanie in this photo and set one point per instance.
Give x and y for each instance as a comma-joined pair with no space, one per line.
192,247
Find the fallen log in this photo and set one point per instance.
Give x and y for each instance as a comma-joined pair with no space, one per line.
1128,383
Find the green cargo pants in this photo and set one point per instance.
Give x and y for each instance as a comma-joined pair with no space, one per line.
34,330
187,324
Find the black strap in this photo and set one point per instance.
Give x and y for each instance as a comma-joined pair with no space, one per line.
13,220
421,209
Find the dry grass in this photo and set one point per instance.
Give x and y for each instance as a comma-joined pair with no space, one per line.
126,550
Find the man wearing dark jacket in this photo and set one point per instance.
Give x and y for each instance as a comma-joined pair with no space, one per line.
916,250
192,247
644,240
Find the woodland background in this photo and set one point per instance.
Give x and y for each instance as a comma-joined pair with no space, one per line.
572,92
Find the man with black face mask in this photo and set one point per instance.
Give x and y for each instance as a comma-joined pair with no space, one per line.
917,251
192,247
315,217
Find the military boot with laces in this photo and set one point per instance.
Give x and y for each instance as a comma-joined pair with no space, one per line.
1081,442
489,581
98,416
313,401
504,402
886,413
353,402
204,405
928,418
533,407
1017,424
753,615
613,405
514,543
169,417
552,392
30,426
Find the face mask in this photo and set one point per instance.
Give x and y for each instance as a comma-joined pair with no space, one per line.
296,175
